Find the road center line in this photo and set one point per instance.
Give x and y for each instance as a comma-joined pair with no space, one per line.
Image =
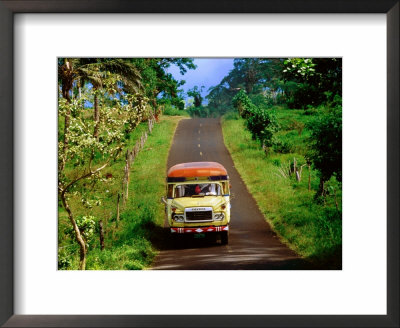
199,131
201,154
198,145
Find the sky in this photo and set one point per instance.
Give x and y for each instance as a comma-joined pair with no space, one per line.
209,72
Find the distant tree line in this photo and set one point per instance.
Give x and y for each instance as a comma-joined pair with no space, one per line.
293,82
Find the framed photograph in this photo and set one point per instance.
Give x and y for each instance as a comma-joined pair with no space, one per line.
76,181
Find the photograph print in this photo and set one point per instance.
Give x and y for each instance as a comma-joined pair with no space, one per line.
199,164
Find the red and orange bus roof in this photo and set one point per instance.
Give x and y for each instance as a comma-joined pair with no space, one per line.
196,169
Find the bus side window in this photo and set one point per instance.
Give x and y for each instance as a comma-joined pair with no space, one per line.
180,191
225,188
217,189
169,191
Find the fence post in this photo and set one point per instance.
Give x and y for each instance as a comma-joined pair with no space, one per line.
117,219
101,234
294,165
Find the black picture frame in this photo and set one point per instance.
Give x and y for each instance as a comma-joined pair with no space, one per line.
10,7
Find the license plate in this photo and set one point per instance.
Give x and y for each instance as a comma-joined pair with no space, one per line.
199,235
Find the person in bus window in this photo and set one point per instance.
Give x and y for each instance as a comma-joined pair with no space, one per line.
211,190
197,190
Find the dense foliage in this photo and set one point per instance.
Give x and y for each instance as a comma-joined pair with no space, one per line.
260,121
258,87
243,104
195,92
160,87
314,81
326,144
262,124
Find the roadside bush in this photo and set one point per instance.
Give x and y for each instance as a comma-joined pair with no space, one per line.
262,124
283,146
243,104
87,227
173,111
64,260
260,121
326,144
261,101
333,100
310,111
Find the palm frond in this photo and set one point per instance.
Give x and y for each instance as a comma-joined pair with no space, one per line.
94,70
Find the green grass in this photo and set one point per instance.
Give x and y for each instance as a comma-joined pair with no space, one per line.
128,244
292,130
312,229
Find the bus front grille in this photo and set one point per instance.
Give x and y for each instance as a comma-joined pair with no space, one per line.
199,216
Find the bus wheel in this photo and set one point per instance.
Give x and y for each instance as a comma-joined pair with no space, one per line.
224,237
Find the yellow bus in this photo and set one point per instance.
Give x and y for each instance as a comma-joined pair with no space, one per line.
198,199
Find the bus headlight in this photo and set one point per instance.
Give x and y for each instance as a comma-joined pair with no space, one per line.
219,216
178,218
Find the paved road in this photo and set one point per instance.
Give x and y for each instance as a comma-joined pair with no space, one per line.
252,243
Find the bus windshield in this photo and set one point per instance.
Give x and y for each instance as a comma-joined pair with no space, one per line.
198,189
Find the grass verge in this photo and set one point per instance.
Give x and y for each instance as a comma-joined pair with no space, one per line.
128,242
311,229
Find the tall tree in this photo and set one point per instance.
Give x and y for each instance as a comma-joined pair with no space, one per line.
195,92
78,71
312,81
326,144
97,70
121,116
159,85
253,75
220,98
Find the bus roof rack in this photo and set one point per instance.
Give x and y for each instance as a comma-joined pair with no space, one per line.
213,170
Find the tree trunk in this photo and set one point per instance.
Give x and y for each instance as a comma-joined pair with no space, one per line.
336,202
101,234
66,127
78,236
96,116
249,87
67,84
321,187
309,177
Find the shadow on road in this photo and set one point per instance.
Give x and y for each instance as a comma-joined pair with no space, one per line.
240,254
